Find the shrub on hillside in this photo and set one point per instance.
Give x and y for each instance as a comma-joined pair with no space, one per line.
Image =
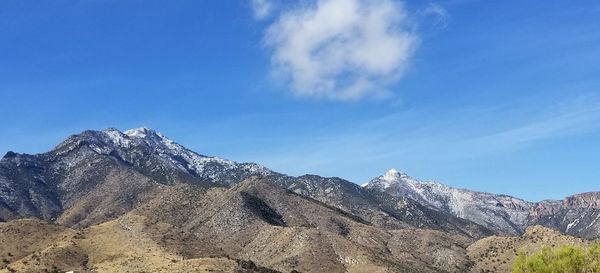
564,259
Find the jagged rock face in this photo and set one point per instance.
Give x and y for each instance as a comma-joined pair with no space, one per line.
545,208
590,200
96,176
576,215
501,213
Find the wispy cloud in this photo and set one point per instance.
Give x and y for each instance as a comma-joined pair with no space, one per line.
261,8
566,120
398,140
437,11
492,131
341,49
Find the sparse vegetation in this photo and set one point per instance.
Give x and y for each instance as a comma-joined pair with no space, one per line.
250,266
54,269
564,259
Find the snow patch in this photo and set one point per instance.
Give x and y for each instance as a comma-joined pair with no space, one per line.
118,138
593,222
572,224
181,157
391,175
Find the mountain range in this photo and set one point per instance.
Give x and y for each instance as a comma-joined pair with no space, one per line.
175,209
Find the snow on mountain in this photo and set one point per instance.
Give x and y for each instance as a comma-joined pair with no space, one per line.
168,148
212,168
157,155
501,213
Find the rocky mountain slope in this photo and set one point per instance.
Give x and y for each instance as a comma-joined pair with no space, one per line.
506,215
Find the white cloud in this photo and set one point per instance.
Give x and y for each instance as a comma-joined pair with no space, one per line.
342,49
261,8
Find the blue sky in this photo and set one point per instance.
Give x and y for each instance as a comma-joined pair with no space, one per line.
487,95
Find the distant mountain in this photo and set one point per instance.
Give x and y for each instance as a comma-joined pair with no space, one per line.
112,200
577,215
99,175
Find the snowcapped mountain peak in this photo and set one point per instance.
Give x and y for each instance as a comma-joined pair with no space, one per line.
154,138
124,139
391,178
393,175
141,132
117,137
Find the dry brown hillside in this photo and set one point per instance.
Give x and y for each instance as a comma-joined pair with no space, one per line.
195,229
36,246
496,254
257,220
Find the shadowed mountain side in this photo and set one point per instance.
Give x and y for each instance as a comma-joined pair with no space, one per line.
24,189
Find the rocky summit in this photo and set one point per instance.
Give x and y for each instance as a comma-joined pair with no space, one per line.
137,201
